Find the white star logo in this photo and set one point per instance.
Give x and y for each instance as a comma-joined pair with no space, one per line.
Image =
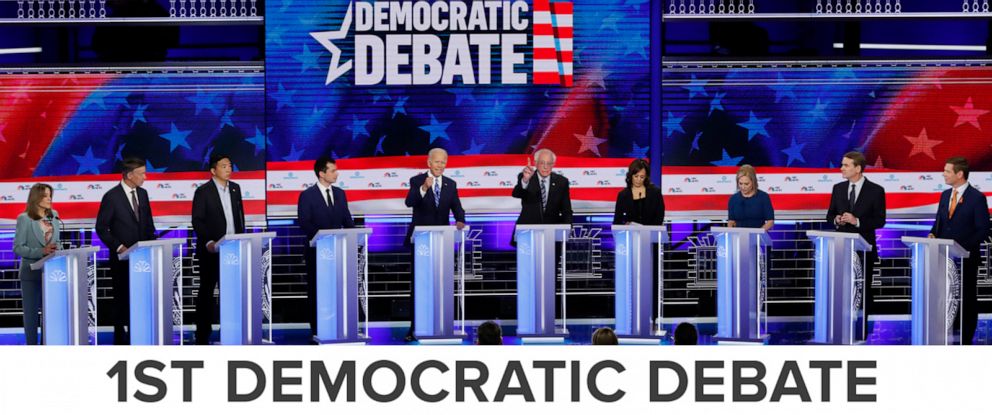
336,68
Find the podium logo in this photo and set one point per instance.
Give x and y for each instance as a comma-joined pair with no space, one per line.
326,254
721,251
231,259
622,249
57,276
141,266
423,250
441,38
524,248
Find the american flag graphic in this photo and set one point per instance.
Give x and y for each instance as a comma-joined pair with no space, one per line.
552,42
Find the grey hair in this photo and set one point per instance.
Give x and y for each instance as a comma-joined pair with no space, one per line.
537,154
436,150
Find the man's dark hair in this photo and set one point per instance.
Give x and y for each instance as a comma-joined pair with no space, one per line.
685,334
130,164
321,165
959,164
489,333
857,158
216,158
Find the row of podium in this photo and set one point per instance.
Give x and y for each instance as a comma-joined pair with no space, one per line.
246,286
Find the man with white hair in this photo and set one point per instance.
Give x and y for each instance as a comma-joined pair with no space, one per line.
544,197
432,197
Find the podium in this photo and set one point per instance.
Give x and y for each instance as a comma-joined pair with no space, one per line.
933,291
433,276
536,282
245,287
155,271
633,282
68,296
835,308
337,284
740,291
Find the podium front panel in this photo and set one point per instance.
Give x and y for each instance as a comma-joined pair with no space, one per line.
633,282
337,286
536,282
434,269
57,307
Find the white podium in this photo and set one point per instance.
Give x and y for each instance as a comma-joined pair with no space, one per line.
155,272
633,281
933,294
740,262
836,287
245,287
536,282
68,296
434,269
337,284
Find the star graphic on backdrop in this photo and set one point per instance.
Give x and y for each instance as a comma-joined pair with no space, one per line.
968,114
259,140
639,152
596,77
461,94
589,142
847,135
336,68
795,152
818,110
526,132
274,33
204,100
308,59
88,163
378,147
755,126
499,111
695,87
727,161
636,4
922,144
400,106
380,93
357,127
695,142
99,98
226,118
152,169
138,115
317,117
610,22
177,138
436,129
474,148
294,154
672,125
783,89
283,97
717,102
638,44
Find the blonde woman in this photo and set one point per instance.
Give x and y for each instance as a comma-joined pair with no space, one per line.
37,235
749,207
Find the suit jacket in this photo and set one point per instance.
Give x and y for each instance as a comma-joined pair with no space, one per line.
315,216
559,208
425,212
654,207
970,224
869,208
115,222
209,222
29,243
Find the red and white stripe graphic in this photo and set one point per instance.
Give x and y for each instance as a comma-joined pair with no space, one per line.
552,42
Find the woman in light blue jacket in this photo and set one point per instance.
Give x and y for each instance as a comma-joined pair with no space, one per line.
37,235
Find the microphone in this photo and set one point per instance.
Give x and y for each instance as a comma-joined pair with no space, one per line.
52,217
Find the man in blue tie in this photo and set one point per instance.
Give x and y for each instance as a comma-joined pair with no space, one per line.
321,206
432,197
963,215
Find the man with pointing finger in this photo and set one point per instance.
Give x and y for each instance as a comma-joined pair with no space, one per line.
544,197
432,197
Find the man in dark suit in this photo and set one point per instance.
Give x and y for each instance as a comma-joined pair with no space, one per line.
321,206
544,197
432,197
218,210
857,205
124,219
963,215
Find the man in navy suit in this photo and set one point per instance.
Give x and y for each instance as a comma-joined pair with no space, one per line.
218,210
432,196
321,206
963,215
857,205
124,219
544,197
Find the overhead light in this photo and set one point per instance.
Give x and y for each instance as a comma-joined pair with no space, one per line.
904,46
11,51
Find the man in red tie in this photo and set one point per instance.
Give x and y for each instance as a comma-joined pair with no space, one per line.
963,215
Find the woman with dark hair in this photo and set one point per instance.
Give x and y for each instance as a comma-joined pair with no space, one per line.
604,336
37,235
641,201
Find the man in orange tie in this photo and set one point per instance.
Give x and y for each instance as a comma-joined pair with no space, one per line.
963,215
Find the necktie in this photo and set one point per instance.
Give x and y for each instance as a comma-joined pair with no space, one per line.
330,200
954,203
850,199
544,194
134,204
437,191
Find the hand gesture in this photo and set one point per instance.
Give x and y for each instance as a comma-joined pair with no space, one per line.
528,172
50,248
428,183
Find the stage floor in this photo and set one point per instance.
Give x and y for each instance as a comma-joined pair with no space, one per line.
886,330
